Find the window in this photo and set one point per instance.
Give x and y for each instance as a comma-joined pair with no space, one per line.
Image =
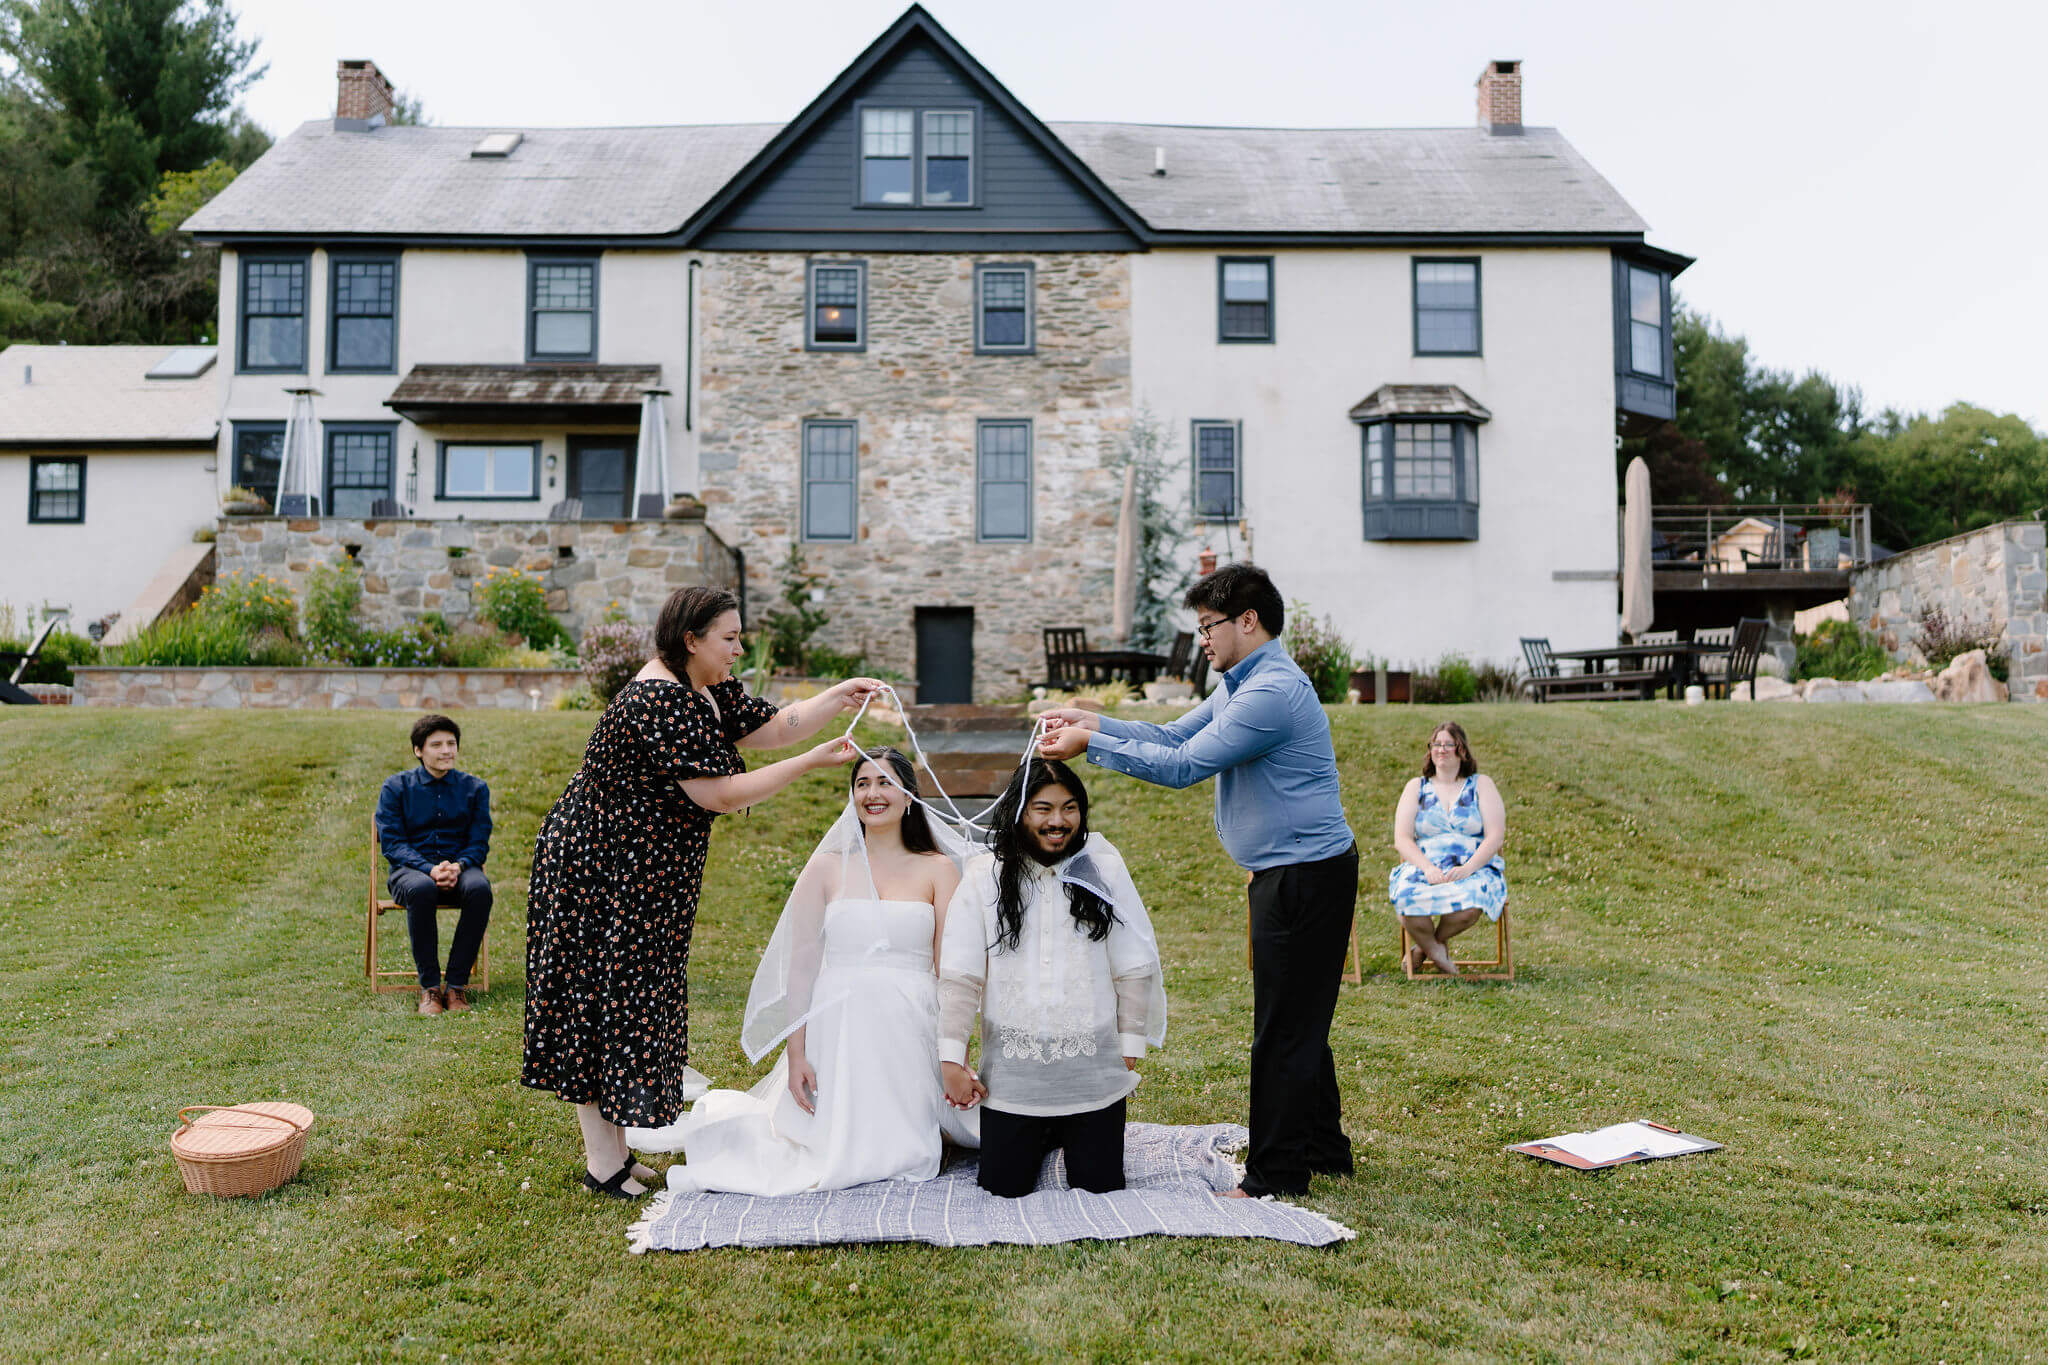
830,458
358,466
913,157
475,470
362,308
56,488
1003,309
886,136
259,457
1003,480
1216,472
948,156
274,314
562,308
1245,298
1421,480
1646,329
838,296
1446,307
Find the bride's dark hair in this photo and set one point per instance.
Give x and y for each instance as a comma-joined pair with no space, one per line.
917,830
1013,847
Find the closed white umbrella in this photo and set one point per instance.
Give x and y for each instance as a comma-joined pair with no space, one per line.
1637,586
1124,585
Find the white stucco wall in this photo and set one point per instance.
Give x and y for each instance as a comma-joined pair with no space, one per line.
138,509
1343,326
468,307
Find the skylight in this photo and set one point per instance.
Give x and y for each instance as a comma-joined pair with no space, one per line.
496,144
187,362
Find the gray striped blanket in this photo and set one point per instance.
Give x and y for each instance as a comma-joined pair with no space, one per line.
1171,1173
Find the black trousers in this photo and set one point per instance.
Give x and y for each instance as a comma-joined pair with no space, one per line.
417,892
1301,925
1013,1147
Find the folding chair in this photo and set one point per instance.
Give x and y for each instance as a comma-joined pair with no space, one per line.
403,979
1502,963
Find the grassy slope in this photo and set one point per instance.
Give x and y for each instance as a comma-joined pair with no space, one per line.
1811,933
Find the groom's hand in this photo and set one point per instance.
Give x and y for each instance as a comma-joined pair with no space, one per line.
1066,732
963,1091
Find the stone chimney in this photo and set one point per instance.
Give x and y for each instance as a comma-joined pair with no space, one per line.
1500,98
363,93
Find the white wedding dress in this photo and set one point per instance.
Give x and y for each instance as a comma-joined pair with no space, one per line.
872,1037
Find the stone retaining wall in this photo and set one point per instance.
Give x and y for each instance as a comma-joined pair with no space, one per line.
325,689
414,567
1995,576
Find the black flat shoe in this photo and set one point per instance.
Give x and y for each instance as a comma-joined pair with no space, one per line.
615,1188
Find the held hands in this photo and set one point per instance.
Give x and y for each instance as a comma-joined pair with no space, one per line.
803,1084
1066,732
964,1089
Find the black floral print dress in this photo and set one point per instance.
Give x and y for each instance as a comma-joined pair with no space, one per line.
616,872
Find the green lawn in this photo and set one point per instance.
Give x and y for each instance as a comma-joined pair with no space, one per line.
1811,933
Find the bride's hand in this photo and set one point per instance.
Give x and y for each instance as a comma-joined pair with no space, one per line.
963,1089
832,753
803,1084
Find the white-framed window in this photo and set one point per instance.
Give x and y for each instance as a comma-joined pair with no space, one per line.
485,470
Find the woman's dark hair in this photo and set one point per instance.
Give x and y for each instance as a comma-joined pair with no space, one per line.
688,611
917,830
426,727
1013,847
1236,589
1467,765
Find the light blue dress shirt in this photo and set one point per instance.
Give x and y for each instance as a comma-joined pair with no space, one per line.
1266,734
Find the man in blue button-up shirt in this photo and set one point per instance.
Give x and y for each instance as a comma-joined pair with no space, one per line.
1266,739
434,824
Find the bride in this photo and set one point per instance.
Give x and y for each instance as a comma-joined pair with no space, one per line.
849,980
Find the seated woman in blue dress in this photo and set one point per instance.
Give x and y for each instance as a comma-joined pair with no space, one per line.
1448,830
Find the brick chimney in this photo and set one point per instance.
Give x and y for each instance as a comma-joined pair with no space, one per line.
1500,98
363,92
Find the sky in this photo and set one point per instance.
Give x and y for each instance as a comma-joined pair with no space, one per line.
1862,184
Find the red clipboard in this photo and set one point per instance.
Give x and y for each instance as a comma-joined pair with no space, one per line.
1544,1152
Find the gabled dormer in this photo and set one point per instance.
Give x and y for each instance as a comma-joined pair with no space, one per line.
916,147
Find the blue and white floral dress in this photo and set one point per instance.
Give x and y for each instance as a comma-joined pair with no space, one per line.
1447,838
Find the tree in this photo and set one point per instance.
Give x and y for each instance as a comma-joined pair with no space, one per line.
143,87
1161,579
1931,477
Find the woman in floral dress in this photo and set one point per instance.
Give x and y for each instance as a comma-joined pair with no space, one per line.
618,866
1448,829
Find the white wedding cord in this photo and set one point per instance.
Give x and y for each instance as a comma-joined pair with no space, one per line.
1038,729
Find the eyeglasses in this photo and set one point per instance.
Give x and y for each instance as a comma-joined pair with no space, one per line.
1202,628
1447,748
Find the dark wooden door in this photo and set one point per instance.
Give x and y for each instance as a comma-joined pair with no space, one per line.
945,654
601,474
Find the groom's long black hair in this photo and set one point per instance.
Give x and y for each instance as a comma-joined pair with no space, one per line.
1013,847
917,830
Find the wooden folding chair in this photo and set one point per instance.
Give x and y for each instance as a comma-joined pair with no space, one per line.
407,978
1502,963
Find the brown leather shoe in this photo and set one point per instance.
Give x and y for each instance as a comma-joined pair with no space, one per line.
455,999
430,1001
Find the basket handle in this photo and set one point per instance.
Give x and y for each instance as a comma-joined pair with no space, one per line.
240,1109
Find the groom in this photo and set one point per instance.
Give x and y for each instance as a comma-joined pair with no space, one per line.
1265,738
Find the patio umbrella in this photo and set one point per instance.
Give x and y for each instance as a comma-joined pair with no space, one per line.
1636,583
650,465
1124,586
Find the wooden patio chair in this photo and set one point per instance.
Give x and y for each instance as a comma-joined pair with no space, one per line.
1741,659
1778,552
1198,672
1548,682
407,978
1177,657
1499,967
1066,665
568,509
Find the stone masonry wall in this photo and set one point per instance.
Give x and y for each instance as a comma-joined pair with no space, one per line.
413,567
916,393
324,689
1997,576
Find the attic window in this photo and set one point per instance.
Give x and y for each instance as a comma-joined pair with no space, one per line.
496,145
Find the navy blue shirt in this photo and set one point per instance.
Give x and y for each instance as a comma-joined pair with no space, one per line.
422,821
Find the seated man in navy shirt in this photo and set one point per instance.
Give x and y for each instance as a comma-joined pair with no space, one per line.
435,827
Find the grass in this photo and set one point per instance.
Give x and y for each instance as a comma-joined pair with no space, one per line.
1809,932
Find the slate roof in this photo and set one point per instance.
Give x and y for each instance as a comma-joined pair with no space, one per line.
523,385
1418,400
81,395
623,182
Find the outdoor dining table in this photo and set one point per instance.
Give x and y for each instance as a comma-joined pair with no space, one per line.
1136,665
1685,656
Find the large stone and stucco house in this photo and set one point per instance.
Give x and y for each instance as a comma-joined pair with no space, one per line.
911,328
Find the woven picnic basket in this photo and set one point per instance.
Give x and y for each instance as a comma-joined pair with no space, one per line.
235,1149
